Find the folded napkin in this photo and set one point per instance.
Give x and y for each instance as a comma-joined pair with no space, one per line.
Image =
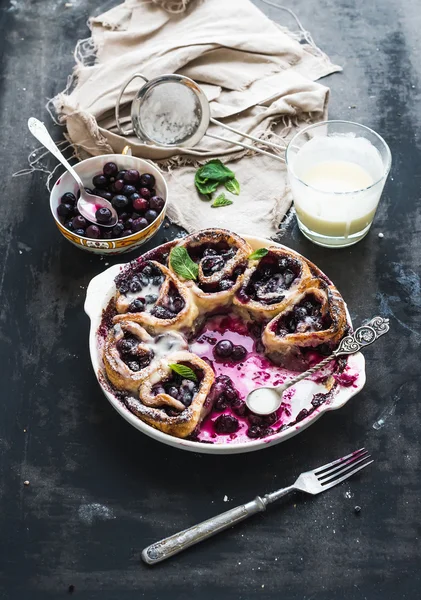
257,76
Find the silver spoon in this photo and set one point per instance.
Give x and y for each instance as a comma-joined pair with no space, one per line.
265,400
87,204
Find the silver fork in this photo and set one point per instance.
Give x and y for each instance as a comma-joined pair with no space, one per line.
311,482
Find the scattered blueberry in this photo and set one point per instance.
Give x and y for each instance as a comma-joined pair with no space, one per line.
100,181
110,169
226,424
139,224
103,215
64,210
238,353
120,201
157,203
68,198
140,204
150,215
223,349
151,298
93,231
128,190
147,180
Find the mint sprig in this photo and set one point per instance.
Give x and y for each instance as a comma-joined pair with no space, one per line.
182,264
233,186
184,371
214,173
258,254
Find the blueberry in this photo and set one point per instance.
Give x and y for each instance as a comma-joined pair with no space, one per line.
79,222
231,394
226,284
100,182
69,225
226,424
159,389
135,285
147,180
64,210
133,365
157,203
126,346
118,229
140,204
128,190
212,264
93,232
139,224
121,174
80,231
300,313
127,232
110,169
177,304
131,176
239,353
148,270
150,215
254,432
123,217
118,185
220,404
68,198
158,279
103,215
120,201
162,313
129,223
107,235
134,197
210,252
224,379
223,349
240,408
103,194
186,397
137,305
173,391
151,298
289,277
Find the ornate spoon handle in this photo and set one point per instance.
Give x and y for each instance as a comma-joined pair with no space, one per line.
362,336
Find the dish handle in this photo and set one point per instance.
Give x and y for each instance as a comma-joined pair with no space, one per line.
95,291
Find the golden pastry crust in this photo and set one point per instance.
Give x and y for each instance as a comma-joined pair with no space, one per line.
206,290
151,408
119,373
317,316
184,320
265,287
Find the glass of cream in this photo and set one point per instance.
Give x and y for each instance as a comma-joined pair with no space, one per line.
337,171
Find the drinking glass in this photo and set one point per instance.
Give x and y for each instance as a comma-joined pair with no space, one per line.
337,171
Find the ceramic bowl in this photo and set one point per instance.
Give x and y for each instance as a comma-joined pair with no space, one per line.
100,291
86,169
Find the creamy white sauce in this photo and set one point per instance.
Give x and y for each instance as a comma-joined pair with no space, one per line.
263,401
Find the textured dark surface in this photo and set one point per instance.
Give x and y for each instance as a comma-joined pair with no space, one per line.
100,491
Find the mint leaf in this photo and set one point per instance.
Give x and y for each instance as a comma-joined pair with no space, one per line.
182,264
205,187
258,254
233,186
184,371
214,170
221,201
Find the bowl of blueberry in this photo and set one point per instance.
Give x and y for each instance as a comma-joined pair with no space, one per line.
136,189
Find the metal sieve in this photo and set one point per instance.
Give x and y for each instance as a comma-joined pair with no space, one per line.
172,111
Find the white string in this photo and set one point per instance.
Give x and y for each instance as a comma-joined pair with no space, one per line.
305,35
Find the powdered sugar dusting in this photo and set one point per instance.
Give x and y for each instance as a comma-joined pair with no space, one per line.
88,513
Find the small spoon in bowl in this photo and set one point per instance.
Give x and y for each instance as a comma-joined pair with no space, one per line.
88,204
266,400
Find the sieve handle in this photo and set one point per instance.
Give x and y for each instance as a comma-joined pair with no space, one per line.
121,131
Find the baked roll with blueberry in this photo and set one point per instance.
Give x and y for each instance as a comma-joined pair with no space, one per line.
149,294
270,284
219,258
170,401
316,320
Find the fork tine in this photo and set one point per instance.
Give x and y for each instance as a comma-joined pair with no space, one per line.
337,462
346,463
336,481
344,470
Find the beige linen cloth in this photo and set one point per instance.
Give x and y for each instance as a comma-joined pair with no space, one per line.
257,76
